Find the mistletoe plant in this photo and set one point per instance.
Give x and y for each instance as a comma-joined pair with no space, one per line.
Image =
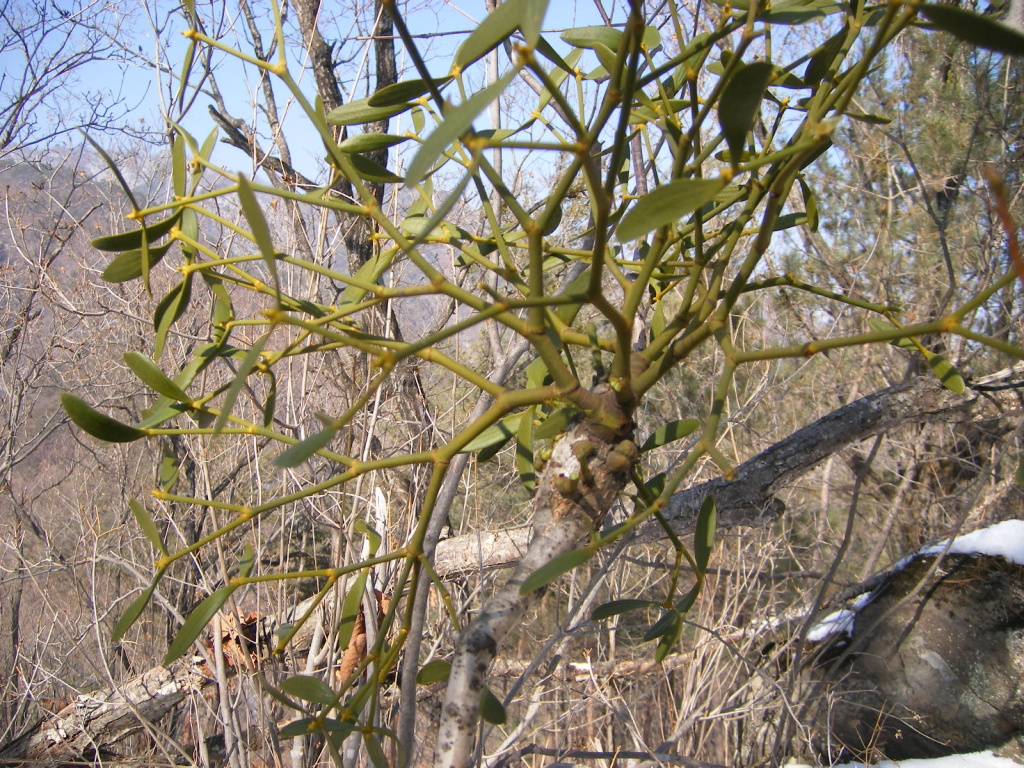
686,136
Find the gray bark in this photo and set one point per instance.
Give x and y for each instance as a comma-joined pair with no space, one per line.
1015,15
587,471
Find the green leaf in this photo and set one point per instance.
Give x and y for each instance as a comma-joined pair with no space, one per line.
488,453
158,415
674,430
296,728
416,226
656,485
491,710
131,615
490,33
333,725
207,149
669,202
704,535
810,204
741,101
537,374
609,37
246,367
788,11
789,220
669,638
372,171
945,372
300,452
554,568
804,11
419,120
178,156
456,122
1018,477
533,12
565,65
97,424
246,561
669,628
496,434
524,450
258,224
370,272
656,110
824,56
374,538
400,94
553,222
434,671
171,307
869,119
350,608
127,240
305,726
169,470
658,321
309,688
146,524
196,623
664,624
150,374
942,368
368,142
567,312
128,265
981,31
360,112
223,310
375,751
125,187
617,607
270,405
686,603
558,75
785,79
605,55
884,326
555,423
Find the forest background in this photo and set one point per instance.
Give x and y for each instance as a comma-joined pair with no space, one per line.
899,220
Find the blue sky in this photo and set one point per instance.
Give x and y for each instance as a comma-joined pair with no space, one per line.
141,86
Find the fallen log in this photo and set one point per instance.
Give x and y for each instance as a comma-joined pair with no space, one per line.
97,720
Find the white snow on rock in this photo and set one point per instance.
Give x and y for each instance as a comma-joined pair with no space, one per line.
972,760
1005,539
838,623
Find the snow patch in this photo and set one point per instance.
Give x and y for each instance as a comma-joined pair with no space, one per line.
972,760
1005,539
838,623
